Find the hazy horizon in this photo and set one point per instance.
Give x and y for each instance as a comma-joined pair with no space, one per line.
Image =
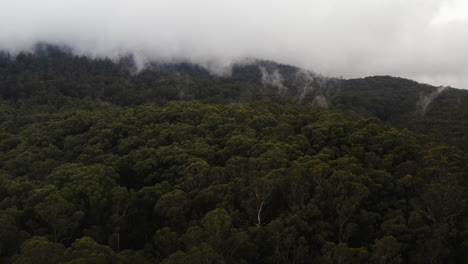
426,41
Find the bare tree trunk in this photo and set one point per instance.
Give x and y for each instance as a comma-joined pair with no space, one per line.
118,238
259,214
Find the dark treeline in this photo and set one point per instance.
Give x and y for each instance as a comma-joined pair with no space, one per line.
99,164
53,76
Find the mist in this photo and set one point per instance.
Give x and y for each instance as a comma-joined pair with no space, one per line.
424,40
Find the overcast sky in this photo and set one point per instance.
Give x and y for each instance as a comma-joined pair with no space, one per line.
425,40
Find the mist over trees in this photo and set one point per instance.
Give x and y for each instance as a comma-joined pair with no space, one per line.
423,40
101,164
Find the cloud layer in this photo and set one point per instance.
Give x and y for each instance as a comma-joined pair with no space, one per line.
426,40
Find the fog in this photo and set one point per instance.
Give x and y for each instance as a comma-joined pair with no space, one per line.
425,40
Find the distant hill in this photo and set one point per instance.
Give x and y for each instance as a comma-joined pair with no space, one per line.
52,73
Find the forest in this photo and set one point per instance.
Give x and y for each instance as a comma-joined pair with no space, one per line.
102,164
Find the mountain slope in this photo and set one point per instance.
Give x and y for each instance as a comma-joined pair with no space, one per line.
53,76
100,163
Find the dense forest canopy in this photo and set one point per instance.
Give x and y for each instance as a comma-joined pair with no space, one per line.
272,164
53,75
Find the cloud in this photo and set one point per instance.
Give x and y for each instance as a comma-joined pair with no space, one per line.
273,78
424,40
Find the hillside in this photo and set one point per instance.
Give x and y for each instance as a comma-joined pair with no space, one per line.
100,163
53,75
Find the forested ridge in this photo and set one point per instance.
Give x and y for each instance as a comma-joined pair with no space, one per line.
54,76
102,164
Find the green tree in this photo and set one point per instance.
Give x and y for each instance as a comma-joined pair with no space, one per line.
386,251
59,214
173,207
39,250
86,250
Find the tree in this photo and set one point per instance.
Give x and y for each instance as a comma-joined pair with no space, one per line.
288,244
260,193
121,200
11,236
166,241
59,214
342,254
346,196
39,250
173,207
386,251
85,186
202,254
443,197
86,250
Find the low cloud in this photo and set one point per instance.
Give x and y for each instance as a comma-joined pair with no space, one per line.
425,40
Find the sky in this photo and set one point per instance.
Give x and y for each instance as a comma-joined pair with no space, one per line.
424,40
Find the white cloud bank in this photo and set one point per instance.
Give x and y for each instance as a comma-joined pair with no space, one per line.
426,40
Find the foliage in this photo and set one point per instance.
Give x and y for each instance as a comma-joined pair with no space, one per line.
98,165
